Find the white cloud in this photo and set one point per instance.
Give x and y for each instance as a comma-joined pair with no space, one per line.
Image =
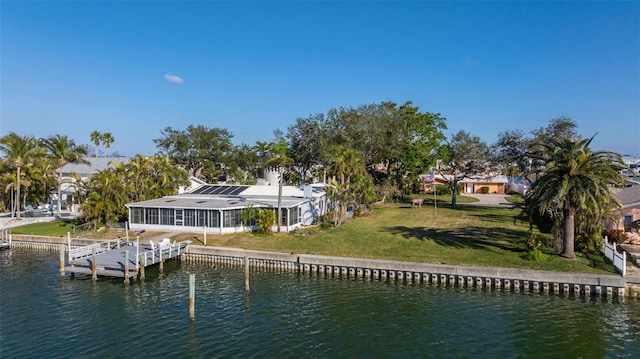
173,78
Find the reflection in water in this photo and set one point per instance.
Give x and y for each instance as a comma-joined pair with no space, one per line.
291,315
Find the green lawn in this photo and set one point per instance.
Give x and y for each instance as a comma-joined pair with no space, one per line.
470,235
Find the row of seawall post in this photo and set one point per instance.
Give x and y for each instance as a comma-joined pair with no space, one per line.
408,277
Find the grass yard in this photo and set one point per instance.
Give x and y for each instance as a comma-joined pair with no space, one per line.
468,235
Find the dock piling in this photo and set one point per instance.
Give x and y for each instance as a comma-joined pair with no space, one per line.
246,273
94,266
62,260
192,296
126,267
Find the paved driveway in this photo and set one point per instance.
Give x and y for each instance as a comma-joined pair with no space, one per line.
489,200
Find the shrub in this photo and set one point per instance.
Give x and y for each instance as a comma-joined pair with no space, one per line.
617,236
484,189
534,244
266,220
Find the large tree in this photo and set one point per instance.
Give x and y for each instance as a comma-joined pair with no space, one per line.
203,152
470,158
19,150
63,151
574,178
511,151
396,142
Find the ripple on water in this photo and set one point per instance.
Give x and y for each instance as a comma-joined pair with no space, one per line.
289,315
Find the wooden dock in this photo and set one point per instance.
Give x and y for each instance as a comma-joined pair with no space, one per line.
117,258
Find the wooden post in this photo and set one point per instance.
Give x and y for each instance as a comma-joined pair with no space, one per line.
246,273
126,266
94,267
141,266
192,296
62,260
69,244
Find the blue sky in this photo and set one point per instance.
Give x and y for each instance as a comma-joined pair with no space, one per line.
133,68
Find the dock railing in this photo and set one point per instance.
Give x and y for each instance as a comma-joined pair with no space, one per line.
88,251
619,260
162,251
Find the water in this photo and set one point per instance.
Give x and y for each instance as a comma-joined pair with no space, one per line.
287,315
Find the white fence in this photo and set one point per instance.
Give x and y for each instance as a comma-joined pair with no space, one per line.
619,260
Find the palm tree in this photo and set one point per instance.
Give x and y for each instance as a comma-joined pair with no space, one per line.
281,160
262,149
107,139
64,151
19,150
96,136
574,178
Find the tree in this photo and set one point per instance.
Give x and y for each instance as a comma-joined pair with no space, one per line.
19,150
96,137
63,150
513,147
350,181
574,180
201,151
469,159
107,139
279,160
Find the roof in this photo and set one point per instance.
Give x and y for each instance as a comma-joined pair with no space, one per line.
629,196
492,179
204,197
95,165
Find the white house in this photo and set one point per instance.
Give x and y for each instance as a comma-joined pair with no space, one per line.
83,170
218,208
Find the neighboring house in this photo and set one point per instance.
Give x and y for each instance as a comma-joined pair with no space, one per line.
629,197
217,208
83,170
495,184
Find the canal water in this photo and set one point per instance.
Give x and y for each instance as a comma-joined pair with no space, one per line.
290,315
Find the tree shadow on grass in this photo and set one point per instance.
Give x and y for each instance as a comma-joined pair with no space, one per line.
480,238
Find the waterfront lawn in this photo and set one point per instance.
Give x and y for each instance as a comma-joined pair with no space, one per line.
466,235
58,228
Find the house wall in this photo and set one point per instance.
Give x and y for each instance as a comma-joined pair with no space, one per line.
476,187
632,211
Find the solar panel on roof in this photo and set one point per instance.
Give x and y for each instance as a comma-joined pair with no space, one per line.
221,190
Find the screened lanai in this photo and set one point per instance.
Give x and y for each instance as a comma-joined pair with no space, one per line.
218,208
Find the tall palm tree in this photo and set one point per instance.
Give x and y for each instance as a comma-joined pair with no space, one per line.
280,160
64,151
96,137
19,150
574,178
262,149
107,139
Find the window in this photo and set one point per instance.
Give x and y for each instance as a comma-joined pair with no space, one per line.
137,215
232,218
179,217
214,216
190,217
167,216
202,217
152,215
628,220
